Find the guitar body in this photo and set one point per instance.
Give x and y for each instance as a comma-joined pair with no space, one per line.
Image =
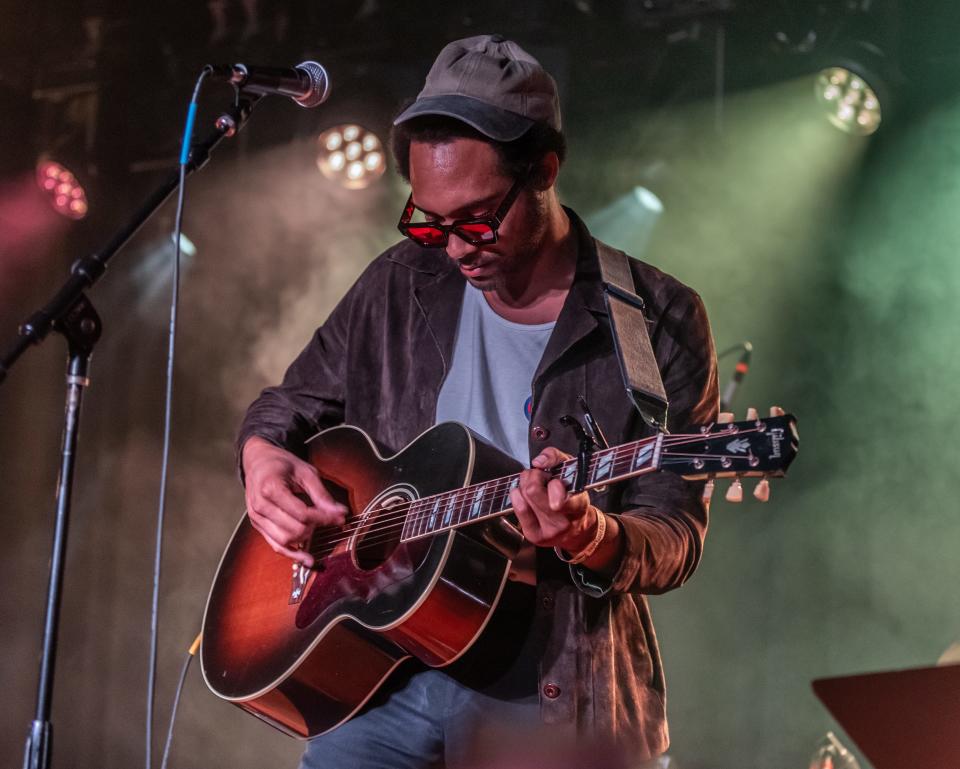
419,566
305,649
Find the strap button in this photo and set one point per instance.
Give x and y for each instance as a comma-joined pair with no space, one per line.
540,433
551,691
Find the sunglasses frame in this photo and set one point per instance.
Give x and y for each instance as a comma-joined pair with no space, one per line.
493,222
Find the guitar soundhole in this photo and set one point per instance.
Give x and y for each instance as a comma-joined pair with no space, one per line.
378,534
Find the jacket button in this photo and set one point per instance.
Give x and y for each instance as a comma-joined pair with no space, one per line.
540,433
547,602
551,691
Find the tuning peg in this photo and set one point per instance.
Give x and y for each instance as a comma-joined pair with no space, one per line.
776,411
762,490
725,417
751,414
735,492
707,492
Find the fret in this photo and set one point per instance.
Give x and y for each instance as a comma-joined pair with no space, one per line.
514,484
409,524
604,467
569,474
427,514
459,508
478,499
451,498
642,454
420,519
657,449
434,514
489,501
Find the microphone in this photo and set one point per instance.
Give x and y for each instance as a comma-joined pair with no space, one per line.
307,83
741,369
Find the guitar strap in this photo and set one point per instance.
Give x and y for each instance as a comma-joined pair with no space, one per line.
638,366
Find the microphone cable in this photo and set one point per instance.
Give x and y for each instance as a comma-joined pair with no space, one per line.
167,417
191,653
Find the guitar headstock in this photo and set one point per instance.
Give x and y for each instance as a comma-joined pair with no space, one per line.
755,447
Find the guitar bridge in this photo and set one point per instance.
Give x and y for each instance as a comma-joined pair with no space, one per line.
300,575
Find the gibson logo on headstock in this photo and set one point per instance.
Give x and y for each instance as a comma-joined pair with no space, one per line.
776,437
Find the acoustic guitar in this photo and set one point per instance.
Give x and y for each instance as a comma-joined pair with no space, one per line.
418,567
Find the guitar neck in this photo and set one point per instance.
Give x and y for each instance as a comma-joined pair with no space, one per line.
480,501
756,447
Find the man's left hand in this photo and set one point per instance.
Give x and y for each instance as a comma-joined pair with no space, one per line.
549,514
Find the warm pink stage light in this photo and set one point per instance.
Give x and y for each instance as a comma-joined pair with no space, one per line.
66,195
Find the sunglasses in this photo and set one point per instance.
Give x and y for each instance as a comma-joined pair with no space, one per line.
478,231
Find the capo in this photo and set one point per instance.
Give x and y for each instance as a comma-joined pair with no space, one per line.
599,439
583,454
590,438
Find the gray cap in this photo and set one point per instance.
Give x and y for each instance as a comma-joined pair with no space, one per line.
490,83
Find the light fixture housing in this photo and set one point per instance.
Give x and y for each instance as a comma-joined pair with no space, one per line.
851,103
351,155
855,86
64,191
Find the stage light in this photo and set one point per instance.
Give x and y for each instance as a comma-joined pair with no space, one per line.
64,191
350,155
187,247
628,221
851,104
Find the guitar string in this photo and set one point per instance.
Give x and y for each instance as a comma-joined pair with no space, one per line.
387,530
492,488
497,486
397,516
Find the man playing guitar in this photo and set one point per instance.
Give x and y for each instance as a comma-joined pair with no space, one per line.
490,313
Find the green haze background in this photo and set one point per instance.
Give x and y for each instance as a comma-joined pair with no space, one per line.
836,256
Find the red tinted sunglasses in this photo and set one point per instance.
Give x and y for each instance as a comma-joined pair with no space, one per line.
479,231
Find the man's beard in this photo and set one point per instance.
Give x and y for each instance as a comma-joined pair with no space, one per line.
520,260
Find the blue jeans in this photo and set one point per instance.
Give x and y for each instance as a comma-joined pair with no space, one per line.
431,721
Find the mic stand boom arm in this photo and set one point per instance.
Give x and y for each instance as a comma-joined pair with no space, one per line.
70,313
89,269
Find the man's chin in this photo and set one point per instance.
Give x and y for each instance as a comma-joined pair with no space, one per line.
481,279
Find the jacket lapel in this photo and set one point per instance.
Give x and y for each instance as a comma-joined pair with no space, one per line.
583,310
439,300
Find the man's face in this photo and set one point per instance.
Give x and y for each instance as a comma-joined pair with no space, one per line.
461,179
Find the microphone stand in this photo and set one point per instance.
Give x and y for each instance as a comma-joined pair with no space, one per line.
71,314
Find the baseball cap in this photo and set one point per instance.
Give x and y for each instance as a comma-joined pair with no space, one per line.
491,84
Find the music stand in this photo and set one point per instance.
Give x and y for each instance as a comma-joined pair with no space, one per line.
901,719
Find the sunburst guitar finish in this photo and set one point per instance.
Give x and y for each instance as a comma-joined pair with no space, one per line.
418,567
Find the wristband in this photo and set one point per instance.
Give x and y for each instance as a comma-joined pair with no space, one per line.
590,549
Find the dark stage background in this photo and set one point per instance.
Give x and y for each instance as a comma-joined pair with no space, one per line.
834,254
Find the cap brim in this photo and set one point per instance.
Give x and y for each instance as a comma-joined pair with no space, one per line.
499,124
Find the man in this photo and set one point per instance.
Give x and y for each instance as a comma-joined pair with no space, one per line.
491,313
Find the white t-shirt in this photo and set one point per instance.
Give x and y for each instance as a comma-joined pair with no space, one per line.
489,385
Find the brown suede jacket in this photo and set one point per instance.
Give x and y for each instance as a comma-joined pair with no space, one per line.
378,363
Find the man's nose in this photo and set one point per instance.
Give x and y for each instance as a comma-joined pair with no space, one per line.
458,248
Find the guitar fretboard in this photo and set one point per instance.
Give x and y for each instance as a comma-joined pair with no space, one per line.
442,512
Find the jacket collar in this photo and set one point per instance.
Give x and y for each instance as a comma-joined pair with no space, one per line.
428,261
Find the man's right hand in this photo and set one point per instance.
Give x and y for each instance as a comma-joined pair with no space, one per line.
286,500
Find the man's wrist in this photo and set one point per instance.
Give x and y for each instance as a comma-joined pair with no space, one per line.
585,545
255,443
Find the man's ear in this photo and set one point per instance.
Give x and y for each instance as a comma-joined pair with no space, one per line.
544,175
